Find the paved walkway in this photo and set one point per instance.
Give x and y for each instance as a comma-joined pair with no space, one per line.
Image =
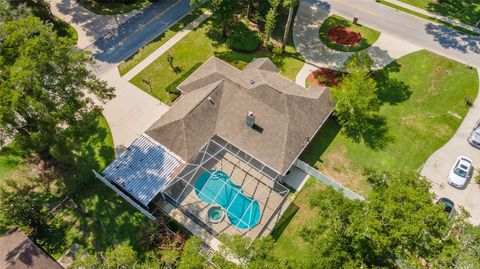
165,47
436,16
438,166
89,26
310,17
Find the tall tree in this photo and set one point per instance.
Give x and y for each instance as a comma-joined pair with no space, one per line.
271,19
399,222
259,254
224,13
357,104
192,257
44,84
21,206
291,4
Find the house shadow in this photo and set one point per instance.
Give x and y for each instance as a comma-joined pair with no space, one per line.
321,141
284,221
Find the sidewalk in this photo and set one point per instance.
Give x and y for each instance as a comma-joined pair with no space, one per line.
436,16
165,47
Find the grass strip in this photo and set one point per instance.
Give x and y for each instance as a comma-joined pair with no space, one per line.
429,18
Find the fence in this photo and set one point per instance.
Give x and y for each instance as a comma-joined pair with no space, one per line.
326,180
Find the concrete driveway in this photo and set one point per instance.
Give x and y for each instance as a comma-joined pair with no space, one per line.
438,166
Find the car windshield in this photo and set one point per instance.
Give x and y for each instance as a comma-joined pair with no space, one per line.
460,172
477,131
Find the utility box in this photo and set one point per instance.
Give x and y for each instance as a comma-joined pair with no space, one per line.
355,20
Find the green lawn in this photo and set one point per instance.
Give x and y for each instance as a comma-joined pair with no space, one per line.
195,49
143,53
462,10
289,244
112,7
423,95
97,218
369,36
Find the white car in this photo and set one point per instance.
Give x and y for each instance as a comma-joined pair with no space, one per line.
474,138
460,172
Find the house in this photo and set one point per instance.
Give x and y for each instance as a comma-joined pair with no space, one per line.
17,251
222,150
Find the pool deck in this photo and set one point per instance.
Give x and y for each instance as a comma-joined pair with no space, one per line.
273,199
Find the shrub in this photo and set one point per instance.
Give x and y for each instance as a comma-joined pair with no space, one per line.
243,39
277,51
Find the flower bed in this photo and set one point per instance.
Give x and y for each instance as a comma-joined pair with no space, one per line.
325,77
344,36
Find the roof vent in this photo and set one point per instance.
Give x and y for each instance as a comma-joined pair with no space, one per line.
250,119
252,82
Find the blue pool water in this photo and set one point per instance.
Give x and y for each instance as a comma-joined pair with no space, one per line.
242,211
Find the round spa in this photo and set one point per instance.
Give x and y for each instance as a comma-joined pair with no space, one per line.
215,214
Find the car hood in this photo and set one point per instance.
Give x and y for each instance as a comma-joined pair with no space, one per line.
456,179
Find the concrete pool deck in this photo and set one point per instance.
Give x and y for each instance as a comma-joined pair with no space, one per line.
273,202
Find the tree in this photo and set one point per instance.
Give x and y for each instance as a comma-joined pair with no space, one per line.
121,256
224,13
357,104
21,206
399,222
291,5
44,86
259,254
271,19
192,257
84,259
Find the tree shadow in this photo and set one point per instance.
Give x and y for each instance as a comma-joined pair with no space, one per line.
452,39
375,133
465,11
391,90
321,141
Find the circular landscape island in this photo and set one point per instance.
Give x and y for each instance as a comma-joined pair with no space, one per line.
341,34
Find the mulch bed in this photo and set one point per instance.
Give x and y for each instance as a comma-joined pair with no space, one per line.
344,36
325,77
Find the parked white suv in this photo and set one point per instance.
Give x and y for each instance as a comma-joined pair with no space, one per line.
474,138
462,169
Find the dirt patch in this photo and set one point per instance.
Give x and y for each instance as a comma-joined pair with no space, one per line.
325,77
344,36
336,165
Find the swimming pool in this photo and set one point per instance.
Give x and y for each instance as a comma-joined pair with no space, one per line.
242,211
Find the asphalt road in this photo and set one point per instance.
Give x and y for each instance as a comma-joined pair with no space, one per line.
439,39
132,35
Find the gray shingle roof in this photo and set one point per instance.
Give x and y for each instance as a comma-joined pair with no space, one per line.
216,99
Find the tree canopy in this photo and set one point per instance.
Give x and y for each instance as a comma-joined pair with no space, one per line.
399,223
357,105
44,85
